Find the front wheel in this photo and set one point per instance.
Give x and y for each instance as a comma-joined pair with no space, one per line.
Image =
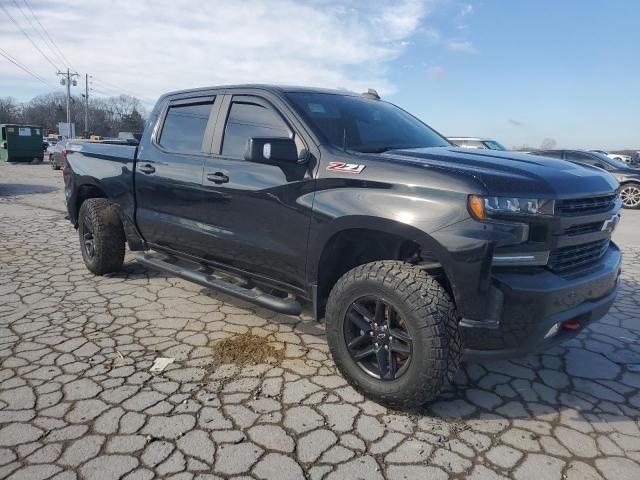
630,195
101,236
393,333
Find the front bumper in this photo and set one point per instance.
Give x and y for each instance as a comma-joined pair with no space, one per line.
526,305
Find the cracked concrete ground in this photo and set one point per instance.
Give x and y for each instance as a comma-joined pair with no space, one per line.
77,400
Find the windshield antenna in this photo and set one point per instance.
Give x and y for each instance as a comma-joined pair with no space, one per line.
344,139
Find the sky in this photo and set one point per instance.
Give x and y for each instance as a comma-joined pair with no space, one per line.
521,72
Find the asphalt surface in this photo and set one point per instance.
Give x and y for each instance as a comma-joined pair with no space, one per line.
77,399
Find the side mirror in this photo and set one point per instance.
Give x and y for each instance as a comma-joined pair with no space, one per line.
3,145
271,150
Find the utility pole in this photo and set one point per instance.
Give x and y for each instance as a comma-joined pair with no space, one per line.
86,105
68,80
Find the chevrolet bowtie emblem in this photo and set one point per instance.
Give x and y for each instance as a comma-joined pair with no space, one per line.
610,225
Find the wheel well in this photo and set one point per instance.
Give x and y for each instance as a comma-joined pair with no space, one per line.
350,248
84,193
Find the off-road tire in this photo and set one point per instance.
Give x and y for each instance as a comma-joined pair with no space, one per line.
108,236
430,316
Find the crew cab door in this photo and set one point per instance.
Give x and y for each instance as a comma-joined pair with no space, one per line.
258,215
168,178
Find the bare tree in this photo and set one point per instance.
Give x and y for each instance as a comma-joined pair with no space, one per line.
107,116
548,144
10,110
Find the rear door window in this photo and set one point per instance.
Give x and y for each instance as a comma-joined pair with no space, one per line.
578,157
184,127
248,120
548,154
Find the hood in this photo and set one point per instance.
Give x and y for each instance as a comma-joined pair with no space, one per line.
512,173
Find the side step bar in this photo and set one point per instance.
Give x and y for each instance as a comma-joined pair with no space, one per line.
288,306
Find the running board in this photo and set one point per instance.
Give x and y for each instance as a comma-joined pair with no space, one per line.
288,306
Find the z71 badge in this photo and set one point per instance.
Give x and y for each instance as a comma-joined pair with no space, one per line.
345,167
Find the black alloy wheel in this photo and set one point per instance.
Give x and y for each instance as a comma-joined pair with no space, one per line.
377,338
88,239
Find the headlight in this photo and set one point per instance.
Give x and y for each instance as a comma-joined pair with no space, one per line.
480,207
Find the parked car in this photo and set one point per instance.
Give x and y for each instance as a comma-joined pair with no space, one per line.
412,250
627,176
56,154
475,142
616,156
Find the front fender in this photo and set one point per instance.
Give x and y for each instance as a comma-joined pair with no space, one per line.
439,223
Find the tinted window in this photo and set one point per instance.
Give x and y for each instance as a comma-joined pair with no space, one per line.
589,159
611,162
363,124
578,157
184,127
548,154
248,120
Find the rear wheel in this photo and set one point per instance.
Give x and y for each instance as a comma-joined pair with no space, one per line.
393,333
630,195
101,236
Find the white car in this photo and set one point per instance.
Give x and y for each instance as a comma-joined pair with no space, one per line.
476,142
616,156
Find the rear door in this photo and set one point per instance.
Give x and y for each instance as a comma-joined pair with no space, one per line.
168,179
256,215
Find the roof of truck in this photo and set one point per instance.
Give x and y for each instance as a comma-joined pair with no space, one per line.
269,87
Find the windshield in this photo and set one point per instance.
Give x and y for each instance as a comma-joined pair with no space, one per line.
362,124
610,161
493,145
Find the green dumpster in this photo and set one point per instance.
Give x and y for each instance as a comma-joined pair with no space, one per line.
21,143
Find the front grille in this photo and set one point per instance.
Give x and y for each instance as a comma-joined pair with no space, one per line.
586,206
584,228
574,257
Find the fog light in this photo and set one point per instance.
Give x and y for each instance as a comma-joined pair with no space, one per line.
553,331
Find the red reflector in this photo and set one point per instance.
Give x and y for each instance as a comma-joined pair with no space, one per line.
570,325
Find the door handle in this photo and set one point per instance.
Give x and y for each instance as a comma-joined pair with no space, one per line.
217,177
147,169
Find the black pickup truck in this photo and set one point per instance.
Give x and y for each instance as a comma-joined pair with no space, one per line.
415,252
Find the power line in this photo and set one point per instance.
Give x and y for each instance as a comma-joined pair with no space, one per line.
47,34
115,88
28,37
19,64
49,42
101,92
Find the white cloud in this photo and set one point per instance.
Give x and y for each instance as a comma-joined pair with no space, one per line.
151,47
462,47
466,10
459,20
436,73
